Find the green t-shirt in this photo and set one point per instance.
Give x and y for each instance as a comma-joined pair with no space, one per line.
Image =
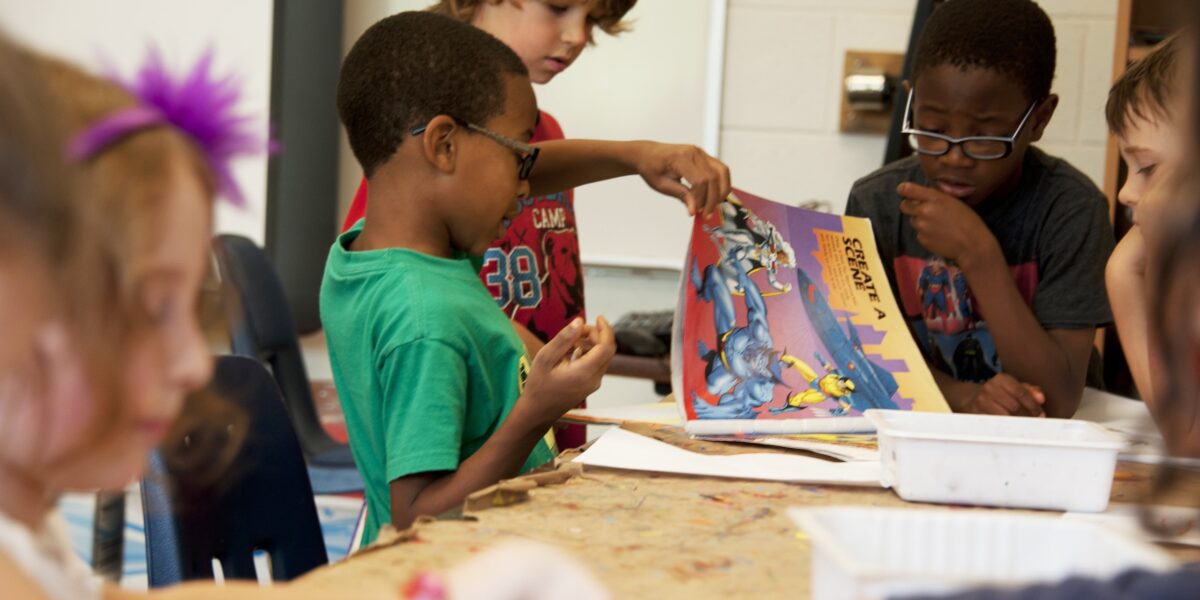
426,366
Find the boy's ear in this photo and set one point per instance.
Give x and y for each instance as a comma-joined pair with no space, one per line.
439,144
1041,116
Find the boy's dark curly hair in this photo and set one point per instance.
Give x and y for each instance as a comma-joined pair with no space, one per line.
1012,37
411,67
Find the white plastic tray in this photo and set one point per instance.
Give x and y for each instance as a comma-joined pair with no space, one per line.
1016,462
864,553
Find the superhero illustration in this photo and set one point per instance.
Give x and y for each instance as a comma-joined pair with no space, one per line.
830,386
873,386
964,299
744,367
968,355
750,244
934,286
777,310
970,361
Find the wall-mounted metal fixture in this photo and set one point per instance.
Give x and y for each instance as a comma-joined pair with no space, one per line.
869,87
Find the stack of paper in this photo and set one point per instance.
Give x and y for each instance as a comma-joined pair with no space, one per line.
620,449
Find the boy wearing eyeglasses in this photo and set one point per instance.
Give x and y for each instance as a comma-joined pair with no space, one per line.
1023,236
439,397
533,268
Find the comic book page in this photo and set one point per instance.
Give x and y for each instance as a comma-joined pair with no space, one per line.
789,326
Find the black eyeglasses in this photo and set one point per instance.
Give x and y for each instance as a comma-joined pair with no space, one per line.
526,154
979,147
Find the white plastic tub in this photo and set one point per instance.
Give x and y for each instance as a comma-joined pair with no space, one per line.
865,553
1016,462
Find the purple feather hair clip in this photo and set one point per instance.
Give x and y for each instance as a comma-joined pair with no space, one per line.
198,104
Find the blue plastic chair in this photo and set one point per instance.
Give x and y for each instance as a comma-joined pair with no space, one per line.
261,501
261,326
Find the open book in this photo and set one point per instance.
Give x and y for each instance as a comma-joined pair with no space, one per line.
786,324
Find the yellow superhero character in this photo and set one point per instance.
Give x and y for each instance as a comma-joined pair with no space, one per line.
830,386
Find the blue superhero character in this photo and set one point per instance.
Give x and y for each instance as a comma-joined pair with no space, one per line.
744,368
966,301
933,285
869,385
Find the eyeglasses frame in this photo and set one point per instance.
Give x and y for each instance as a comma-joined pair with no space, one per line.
526,153
951,142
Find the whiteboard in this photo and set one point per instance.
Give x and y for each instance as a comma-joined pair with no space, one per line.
661,81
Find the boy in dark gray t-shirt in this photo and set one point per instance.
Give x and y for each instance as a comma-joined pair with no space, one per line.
995,249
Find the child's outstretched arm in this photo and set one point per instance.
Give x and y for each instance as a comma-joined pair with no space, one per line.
1125,278
564,373
564,164
1053,361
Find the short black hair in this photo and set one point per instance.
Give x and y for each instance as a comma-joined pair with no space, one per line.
1145,88
411,67
1012,37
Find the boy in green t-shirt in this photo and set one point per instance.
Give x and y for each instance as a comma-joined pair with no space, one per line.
439,397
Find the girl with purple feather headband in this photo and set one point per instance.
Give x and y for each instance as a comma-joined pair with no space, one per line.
88,385
101,376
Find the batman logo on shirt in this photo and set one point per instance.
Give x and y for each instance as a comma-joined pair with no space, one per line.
522,374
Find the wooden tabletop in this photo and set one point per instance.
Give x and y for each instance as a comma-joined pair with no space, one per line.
650,535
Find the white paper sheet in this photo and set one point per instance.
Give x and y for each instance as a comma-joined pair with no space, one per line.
839,451
620,449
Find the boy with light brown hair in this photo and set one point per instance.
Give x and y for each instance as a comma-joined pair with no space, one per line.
1144,110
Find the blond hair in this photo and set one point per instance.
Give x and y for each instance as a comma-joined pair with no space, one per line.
607,14
35,187
120,213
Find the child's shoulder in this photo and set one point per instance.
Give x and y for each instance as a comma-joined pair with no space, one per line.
402,296
1059,194
1062,178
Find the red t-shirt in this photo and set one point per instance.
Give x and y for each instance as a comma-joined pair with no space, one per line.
533,272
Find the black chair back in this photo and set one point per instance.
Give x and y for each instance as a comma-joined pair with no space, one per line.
261,326
258,498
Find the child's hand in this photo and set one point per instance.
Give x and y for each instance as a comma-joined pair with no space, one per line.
525,570
663,166
945,225
1005,395
567,369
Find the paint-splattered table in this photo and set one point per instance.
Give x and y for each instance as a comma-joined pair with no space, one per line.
644,534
